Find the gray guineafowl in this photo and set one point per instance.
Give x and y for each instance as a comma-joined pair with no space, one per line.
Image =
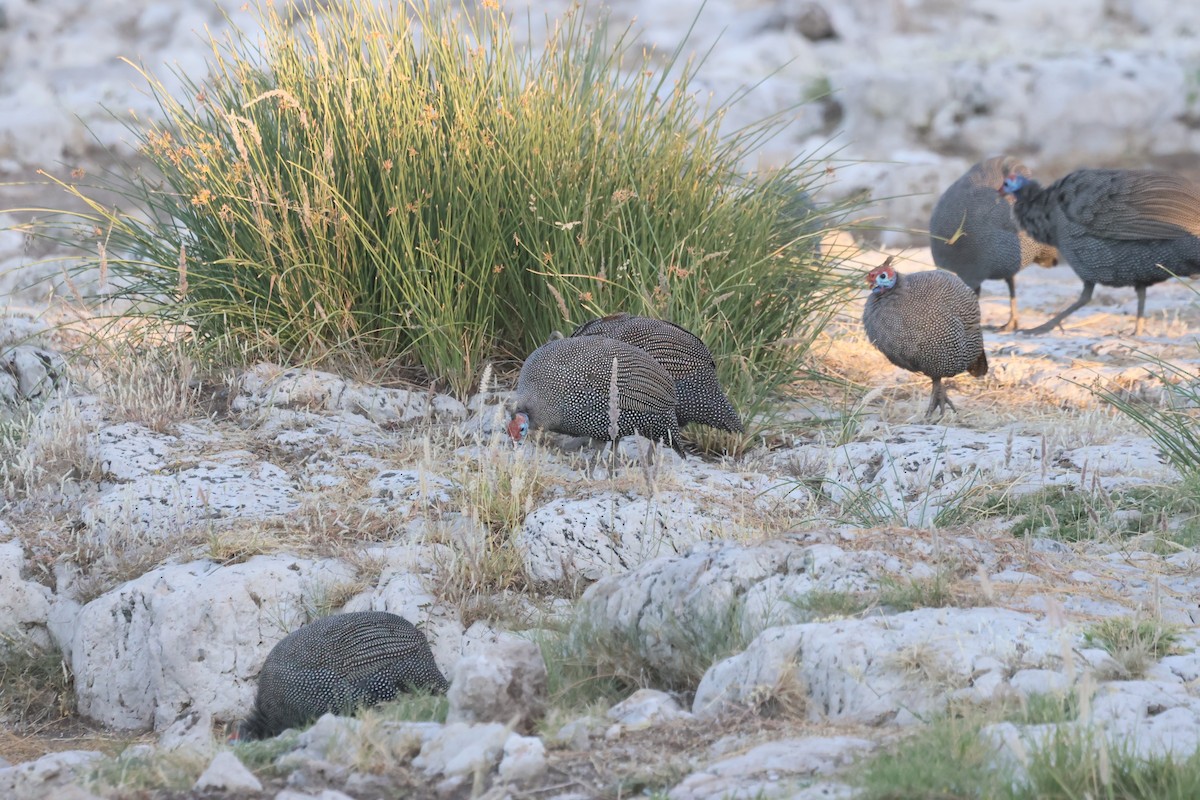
698,393
1115,227
926,322
336,664
564,387
974,233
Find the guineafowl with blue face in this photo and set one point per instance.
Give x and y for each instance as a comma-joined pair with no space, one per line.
698,394
926,322
337,664
566,386
974,233
1115,227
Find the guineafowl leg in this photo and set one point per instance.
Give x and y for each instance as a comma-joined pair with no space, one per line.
1140,325
1011,325
938,399
1085,297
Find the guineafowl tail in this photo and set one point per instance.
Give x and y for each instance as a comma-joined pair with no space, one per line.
979,366
701,400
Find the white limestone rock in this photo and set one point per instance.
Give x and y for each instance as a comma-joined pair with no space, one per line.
189,636
611,533
774,769
646,708
312,390
460,749
881,670
226,773
504,682
524,758
24,604
192,732
230,486
128,451
47,776
662,606
29,373
398,492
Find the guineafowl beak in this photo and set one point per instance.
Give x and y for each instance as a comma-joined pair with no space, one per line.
518,426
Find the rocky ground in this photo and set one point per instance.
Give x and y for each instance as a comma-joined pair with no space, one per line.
789,613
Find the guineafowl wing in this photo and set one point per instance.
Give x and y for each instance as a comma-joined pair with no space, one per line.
594,326
1132,205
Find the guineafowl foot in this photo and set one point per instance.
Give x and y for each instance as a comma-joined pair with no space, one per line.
939,401
1009,327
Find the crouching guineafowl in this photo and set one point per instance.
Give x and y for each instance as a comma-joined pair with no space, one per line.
974,233
564,387
698,394
337,664
926,322
1115,227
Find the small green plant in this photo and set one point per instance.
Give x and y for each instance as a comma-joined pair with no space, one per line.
945,759
1040,709
1133,643
819,603
1175,425
259,755
935,591
36,684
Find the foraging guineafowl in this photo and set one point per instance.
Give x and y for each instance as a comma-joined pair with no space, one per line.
337,664
925,322
1115,227
974,233
564,387
698,393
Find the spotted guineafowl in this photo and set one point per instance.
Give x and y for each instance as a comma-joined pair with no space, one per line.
1115,227
974,233
336,664
698,393
926,322
564,387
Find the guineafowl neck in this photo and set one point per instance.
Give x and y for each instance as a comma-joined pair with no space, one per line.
1034,212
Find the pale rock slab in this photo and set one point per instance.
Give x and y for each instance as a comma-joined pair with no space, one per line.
29,373
37,780
229,487
883,670
189,636
192,732
611,533
24,604
504,682
226,773
460,749
129,451
524,758
399,492
313,390
774,769
665,603
646,708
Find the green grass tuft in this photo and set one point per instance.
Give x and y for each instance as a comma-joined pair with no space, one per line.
407,183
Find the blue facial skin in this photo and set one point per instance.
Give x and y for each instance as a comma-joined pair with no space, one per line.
883,282
1013,184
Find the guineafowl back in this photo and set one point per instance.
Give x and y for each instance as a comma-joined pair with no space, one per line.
564,387
337,663
686,359
927,323
973,232
1117,227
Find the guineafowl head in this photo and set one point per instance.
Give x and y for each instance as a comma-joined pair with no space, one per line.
882,278
1014,183
518,426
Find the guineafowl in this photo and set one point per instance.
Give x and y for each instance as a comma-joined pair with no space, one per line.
974,233
1115,227
926,322
698,393
564,387
336,664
